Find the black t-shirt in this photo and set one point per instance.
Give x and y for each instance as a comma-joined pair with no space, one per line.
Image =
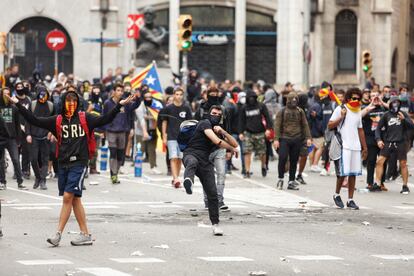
370,123
200,144
180,113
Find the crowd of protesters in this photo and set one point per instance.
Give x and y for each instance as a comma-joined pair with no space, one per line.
374,126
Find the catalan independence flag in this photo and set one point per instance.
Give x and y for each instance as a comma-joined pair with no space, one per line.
149,76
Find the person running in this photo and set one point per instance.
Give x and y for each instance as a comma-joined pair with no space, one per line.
173,115
348,122
394,126
37,137
10,139
197,163
291,129
73,152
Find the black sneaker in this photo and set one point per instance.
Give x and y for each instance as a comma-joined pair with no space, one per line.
338,201
36,183
292,185
352,205
264,172
223,206
21,187
279,184
300,179
188,185
43,185
405,190
3,186
247,175
376,188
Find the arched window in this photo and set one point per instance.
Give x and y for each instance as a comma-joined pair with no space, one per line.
345,41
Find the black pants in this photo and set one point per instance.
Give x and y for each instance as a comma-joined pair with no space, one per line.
289,148
11,147
40,158
52,157
25,150
392,166
204,170
269,152
373,152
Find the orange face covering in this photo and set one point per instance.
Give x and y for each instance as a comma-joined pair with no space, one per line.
43,97
70,107
354,106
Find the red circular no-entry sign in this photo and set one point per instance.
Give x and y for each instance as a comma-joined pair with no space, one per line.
56,40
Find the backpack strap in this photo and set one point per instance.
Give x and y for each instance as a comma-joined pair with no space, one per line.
58,133
281,123
89,136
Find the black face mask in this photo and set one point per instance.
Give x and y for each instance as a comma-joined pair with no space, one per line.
20,92
395,107
215,120
213,100
292,104
251,100
326,100
148,103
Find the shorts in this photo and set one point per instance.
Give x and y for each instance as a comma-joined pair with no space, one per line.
400,149
350,163
174,151
254,142
318,142
70,180
116,139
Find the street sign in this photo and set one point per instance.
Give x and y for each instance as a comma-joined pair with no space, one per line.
135,22
56,40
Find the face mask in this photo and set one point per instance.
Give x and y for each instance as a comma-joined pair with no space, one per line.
354,104
43,97
215,120
395,107
20,92
148,103
387,95
251,101
242,100
70,108
213,100
403,96
293,103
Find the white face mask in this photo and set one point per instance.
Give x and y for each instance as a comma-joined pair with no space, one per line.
242,100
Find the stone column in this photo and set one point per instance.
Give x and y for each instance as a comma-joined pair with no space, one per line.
290,42
173,53
240,41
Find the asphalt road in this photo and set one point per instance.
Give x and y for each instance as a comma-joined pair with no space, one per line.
145,227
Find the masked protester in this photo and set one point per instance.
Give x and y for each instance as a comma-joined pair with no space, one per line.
207,137
115,131
291,129
73,149
21,93
38,138
390,135
95,108
348,122
9,137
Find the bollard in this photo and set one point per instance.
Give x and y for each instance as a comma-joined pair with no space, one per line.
138,162
104,158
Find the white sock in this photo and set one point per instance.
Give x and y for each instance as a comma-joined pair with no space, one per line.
336,195
350,199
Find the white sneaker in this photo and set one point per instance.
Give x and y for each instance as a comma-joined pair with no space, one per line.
324,172
155,171
315,169
217,231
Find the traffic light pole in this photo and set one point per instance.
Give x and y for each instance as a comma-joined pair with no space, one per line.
184,71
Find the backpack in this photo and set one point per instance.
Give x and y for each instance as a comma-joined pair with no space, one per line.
187,131
89,136
49,104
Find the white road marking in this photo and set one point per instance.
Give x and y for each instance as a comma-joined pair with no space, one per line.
32,208
404,207
165,206
45,262
236,206
225,259
394,257
137,260
34,193
314,257
103,271
101,207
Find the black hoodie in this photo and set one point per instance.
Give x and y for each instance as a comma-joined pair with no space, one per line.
73,149
10,117
250,116
39,110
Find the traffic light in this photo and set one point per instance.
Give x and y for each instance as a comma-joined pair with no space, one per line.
3,43
367,63
185,30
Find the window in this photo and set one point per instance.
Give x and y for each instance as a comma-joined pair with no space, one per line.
345,42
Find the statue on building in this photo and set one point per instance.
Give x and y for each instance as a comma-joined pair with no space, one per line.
149,42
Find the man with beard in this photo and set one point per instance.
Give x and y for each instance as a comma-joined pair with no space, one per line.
291,130
37,137
218,156
394,126
8,139
73,130
197,159
22,93
253,131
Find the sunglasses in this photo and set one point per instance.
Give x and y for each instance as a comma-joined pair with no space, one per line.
355,98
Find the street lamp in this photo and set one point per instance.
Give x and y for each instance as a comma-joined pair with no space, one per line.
103,9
